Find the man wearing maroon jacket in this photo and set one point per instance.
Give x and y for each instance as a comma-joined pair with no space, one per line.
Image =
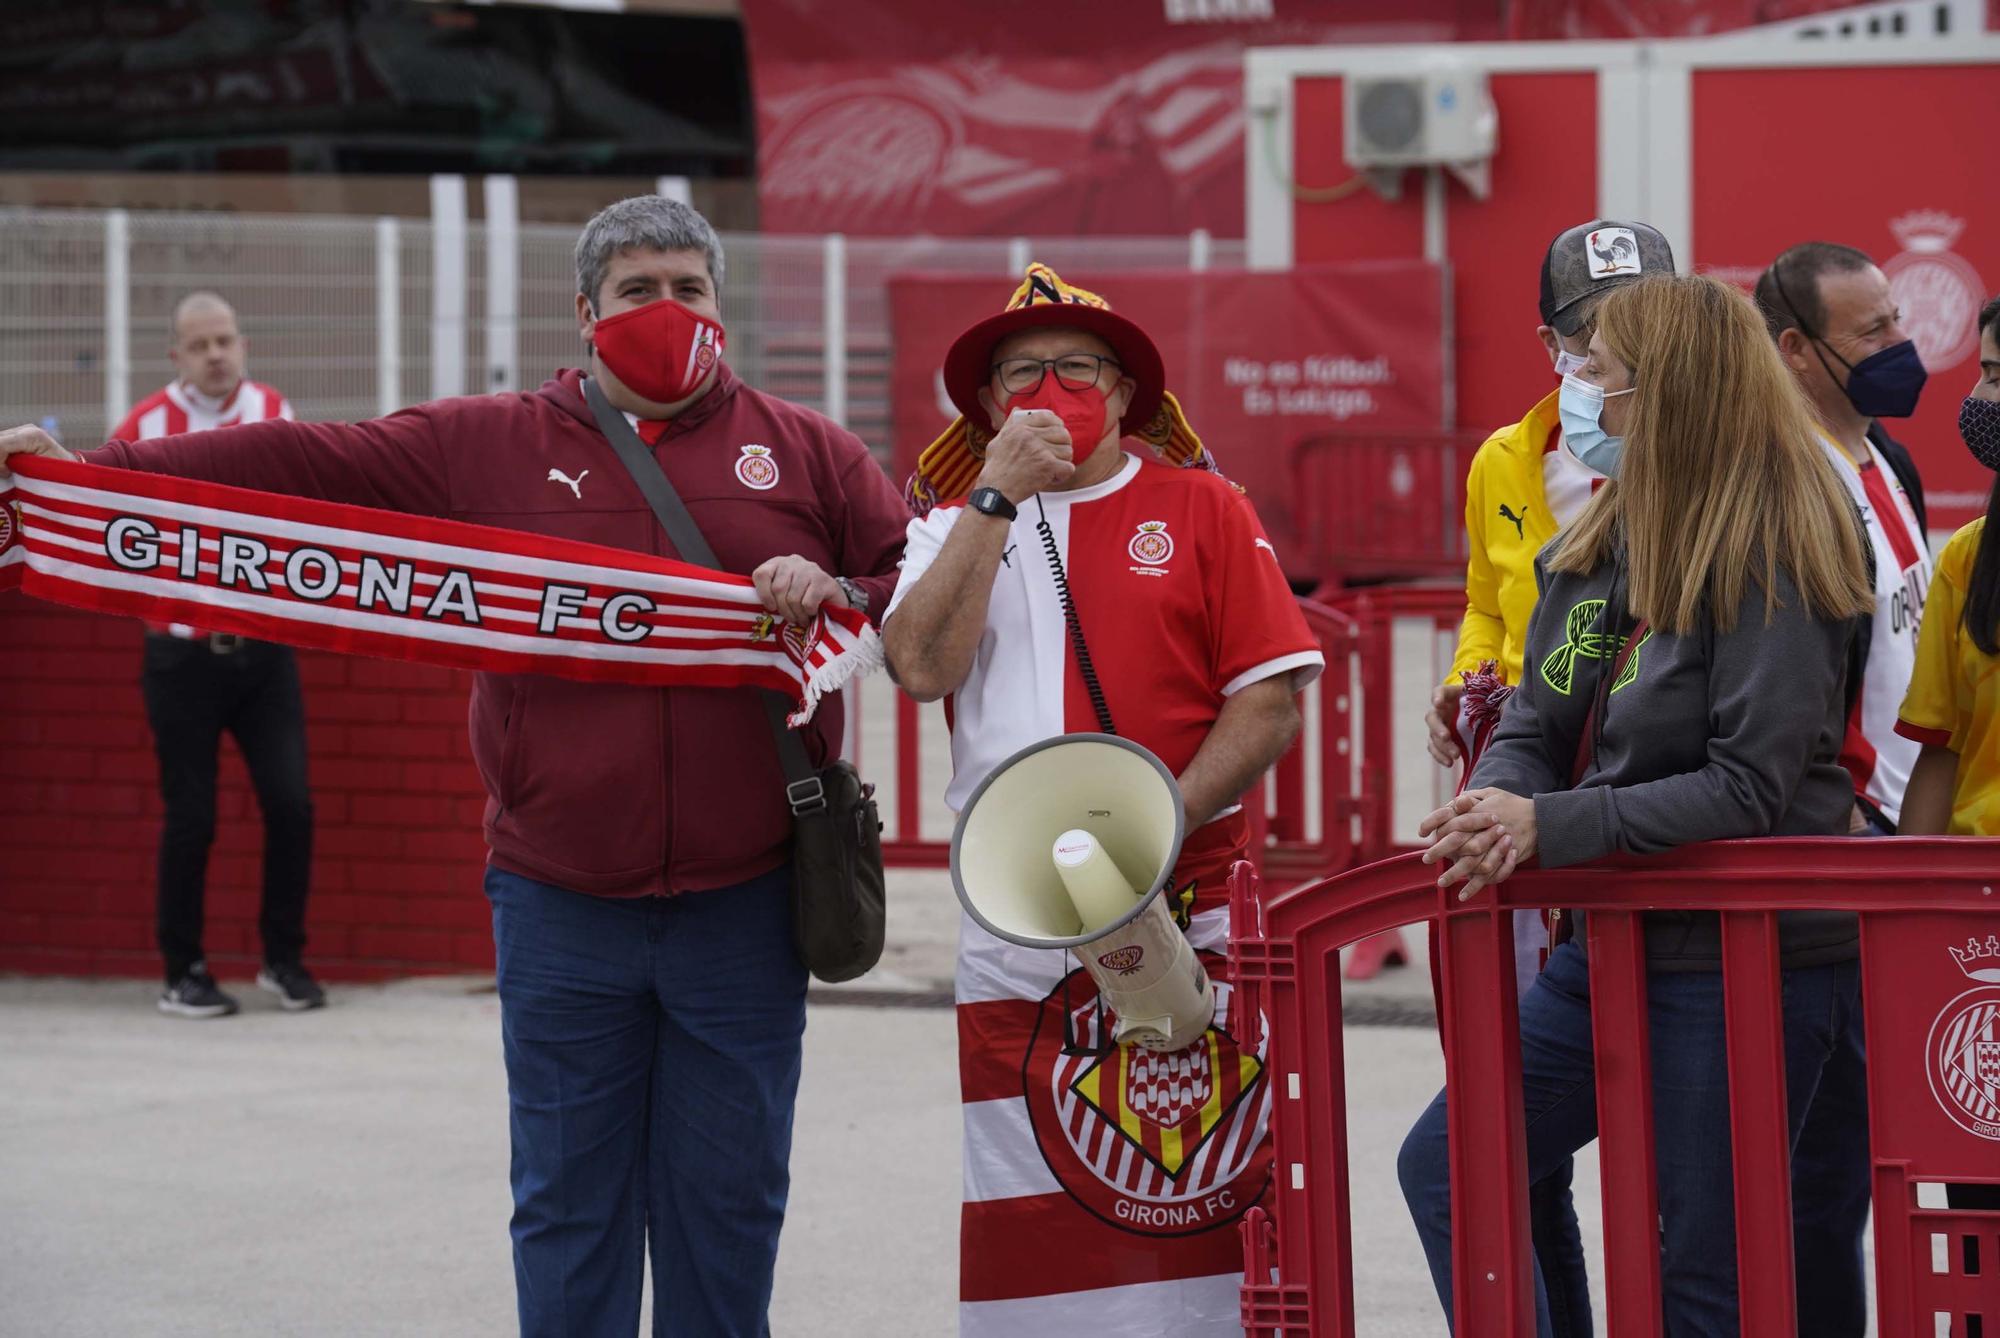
652,1003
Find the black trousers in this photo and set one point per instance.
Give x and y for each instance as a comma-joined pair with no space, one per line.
194,694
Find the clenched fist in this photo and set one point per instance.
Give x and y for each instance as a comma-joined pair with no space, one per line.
1031,452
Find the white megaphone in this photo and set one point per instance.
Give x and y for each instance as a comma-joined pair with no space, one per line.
1071,843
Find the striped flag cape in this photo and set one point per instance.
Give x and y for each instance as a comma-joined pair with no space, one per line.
326,576
1104,1184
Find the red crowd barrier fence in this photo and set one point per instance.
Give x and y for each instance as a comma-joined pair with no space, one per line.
1930,961
1379,505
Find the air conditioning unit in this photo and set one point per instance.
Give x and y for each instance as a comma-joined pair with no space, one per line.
1435,114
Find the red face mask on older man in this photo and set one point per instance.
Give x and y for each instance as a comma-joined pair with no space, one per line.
662,350
1081,411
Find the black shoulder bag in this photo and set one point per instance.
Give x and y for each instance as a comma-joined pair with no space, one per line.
838,910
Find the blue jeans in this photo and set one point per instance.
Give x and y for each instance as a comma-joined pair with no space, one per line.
653,1050
1558,1242
1828,1113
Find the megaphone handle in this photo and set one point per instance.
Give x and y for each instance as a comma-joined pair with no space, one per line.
1070,1045
1083,664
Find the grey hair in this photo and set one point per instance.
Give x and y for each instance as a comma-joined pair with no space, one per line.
643,222
200,297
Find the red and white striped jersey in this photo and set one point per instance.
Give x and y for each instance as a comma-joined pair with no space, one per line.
178,408
1877,756
1102,1190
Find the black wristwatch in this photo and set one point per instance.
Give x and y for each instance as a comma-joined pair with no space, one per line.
993,502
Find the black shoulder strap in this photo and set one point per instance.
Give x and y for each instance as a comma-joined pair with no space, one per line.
802,783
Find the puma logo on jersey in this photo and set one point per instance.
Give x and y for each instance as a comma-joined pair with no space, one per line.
1520,521
1265,544
575,485
1007,556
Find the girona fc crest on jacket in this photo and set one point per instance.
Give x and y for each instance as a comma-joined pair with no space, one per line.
1156,1144
756,468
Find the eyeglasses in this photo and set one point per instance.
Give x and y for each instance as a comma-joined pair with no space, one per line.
1077,371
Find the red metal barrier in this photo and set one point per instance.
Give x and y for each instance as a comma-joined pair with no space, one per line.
1930,959
1379,505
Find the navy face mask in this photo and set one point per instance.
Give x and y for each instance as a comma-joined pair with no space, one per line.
1884,384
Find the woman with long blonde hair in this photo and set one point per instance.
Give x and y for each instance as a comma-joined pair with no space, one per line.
1684,682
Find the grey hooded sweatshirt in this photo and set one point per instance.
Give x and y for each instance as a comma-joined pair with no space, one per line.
1703,737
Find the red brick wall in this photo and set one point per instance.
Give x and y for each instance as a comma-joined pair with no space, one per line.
397,851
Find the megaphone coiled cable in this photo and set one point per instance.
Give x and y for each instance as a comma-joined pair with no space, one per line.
1083,664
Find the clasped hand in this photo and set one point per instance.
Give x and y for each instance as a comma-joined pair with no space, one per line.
1480,837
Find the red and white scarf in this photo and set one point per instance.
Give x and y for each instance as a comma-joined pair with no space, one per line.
346,578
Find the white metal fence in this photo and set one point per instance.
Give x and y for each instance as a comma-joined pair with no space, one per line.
353,317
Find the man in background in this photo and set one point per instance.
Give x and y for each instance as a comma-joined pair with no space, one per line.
198,685
1836,325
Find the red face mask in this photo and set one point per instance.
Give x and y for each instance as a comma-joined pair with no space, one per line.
1082,411
662,350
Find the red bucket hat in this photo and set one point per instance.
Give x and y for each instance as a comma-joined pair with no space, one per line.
946,469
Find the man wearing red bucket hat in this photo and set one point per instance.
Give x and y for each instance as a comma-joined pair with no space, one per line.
1055,583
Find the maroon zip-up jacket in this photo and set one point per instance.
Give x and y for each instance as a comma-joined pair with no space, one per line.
602,788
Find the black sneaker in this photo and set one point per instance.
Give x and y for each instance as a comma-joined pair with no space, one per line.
196,995
294,986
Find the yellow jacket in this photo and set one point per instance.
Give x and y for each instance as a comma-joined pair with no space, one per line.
1507,520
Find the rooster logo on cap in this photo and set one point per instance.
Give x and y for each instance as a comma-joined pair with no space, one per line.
1619,253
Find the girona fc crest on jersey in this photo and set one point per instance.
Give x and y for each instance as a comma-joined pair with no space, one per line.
757,468
1156,1144
1939,293
1152,545
10,526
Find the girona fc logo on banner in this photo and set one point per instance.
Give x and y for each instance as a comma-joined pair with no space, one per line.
1938,292
756,468
1963,1052
1156,1144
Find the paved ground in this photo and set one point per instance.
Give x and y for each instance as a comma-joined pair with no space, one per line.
344,1172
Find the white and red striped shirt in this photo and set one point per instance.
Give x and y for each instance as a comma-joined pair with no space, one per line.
1877,756
176,408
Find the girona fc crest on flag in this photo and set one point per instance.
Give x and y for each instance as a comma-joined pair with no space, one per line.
1157,1144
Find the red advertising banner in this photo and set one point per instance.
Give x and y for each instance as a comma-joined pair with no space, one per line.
1260,361
1897,185
1039,117
1052,118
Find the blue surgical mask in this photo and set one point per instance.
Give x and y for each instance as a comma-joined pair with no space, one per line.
1568,362
1581,403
